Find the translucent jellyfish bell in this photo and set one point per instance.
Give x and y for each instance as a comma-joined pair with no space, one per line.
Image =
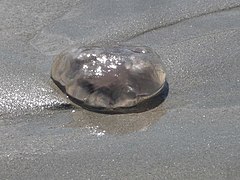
110,79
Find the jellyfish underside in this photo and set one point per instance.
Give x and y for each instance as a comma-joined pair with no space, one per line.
108,79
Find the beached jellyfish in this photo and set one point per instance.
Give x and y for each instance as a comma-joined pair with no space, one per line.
109,79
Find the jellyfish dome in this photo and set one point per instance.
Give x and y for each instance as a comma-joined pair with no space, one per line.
108,78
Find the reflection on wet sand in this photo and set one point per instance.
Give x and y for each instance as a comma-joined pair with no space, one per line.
138,119
117,124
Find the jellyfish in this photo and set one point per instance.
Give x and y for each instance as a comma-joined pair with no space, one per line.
110,79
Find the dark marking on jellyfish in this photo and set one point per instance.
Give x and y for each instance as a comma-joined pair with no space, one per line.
89,87
145,105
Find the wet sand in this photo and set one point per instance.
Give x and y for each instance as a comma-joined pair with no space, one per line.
193,134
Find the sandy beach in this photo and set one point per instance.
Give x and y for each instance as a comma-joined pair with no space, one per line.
193,134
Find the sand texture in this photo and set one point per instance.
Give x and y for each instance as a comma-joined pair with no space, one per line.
193,134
